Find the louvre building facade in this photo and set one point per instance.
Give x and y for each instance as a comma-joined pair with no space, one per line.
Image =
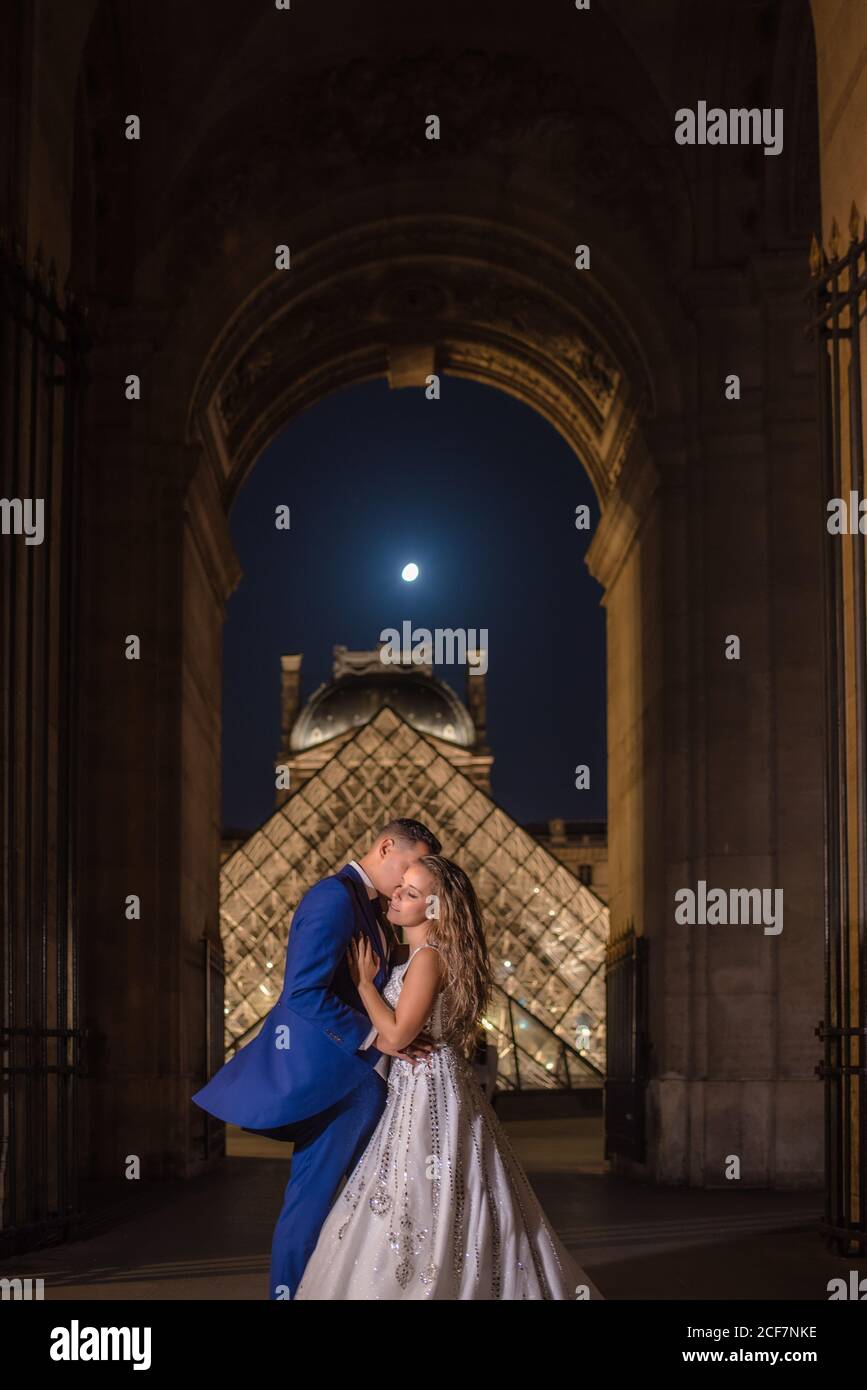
378,742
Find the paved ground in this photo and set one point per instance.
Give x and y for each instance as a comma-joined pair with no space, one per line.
210,1238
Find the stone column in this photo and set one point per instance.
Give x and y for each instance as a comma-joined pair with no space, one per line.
157,564
715,765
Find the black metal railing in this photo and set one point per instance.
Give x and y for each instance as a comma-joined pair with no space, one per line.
628,1049
43,347
839,296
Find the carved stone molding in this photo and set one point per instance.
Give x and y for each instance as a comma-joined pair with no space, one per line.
445,300
623,443
493,305
622,519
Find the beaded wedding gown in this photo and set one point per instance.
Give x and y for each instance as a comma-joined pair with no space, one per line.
438,1206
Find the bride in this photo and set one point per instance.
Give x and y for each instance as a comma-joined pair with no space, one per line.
438,1206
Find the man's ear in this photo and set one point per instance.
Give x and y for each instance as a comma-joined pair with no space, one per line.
385,844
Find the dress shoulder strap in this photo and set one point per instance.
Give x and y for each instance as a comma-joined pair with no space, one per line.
425,944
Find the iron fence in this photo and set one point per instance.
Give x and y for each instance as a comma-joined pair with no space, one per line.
838,297
43,348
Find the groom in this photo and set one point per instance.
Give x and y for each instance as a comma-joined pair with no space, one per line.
316,1072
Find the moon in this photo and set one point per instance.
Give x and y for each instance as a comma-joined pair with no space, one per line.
409,573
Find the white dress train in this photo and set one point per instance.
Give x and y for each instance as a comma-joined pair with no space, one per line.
438,1206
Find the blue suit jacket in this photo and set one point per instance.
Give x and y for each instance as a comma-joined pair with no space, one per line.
305,1056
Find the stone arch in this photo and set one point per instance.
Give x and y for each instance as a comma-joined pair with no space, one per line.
535,163
448,294
268,146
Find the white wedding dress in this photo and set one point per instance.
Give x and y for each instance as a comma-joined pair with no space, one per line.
438,1206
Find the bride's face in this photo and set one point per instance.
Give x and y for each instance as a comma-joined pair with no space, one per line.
408,904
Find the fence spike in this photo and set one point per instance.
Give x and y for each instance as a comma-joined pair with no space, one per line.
854,219
815,257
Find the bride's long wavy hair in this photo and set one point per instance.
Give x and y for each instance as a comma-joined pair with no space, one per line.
458,929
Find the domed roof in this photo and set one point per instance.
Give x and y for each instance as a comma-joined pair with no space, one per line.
352,699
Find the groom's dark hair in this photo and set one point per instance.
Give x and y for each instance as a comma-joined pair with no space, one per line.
412,830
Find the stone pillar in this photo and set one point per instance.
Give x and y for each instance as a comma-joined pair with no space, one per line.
715,765
477,704
210,573
841,59
157,564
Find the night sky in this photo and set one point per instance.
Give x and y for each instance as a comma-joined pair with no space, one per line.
481,493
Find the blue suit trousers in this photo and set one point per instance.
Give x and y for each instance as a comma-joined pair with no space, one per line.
327,1147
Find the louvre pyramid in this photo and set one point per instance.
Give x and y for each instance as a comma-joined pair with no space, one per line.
546,931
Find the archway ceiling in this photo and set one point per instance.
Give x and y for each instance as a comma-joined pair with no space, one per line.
540,130
307,77
263,132
533,164
534,160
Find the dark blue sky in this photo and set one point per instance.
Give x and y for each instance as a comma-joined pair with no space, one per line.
481,493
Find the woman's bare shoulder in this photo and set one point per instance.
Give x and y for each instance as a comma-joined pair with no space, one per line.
433,960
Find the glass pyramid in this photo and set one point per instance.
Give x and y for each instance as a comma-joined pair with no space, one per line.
546,931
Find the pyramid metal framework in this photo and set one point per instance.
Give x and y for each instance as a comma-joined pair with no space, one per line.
546,931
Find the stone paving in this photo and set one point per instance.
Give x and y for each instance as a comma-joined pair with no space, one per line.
209,1238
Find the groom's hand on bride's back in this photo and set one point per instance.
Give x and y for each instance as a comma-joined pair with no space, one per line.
416,1051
